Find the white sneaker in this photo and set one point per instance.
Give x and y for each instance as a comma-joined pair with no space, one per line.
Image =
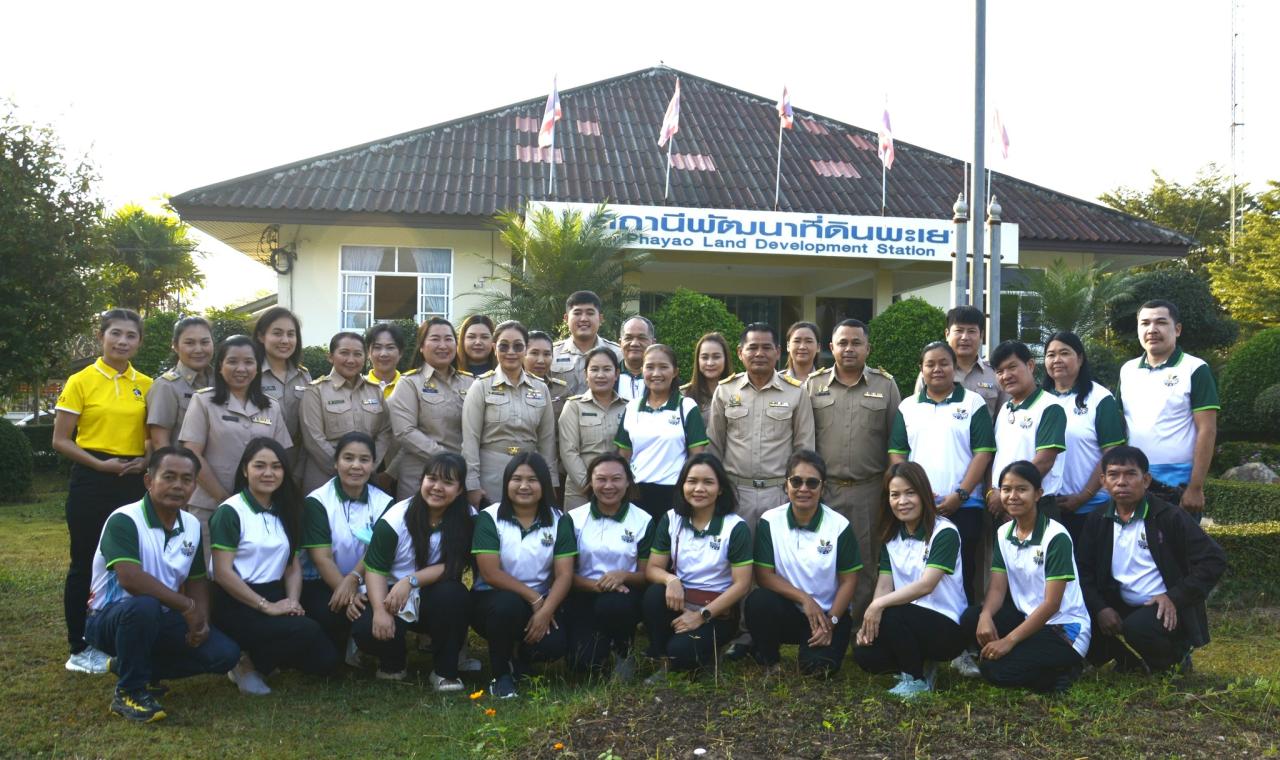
910,688
248,680
442,684
88,660
383,675
967,665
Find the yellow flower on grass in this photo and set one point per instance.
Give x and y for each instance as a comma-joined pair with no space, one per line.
477,694
491,712
557,746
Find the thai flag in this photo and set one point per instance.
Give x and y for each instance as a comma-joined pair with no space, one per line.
550,115
886,142
784,109
671,119
1001,134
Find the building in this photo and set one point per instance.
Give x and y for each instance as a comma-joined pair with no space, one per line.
401,227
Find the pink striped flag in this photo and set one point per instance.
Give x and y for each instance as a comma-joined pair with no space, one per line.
886,142
784,109
671,119
1001,134
550,115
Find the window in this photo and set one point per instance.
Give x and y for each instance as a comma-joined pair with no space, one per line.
1021,308
381,283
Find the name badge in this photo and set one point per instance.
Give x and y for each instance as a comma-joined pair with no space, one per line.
873,394
186,395
823,392
299,388
371,401
230,418
776,404
533,395
430,389
335,401
589,414
262,420
564,360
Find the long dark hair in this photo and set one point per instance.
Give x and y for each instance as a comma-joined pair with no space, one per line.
726,501
914,474
700,388
1084,380
286,502
546,508
455,526
221,392
270,317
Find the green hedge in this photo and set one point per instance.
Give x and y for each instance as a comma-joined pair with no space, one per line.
1253,564
1233,502
15,462
1251,368
41,439
685,317
898,333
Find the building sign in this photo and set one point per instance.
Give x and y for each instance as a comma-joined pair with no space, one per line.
664,228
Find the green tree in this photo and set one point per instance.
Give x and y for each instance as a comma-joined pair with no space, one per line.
685,317
551,257
153,259
898,333
1076,298
51,248
1248,283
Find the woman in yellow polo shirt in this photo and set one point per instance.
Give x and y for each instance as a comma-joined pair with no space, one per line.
101,426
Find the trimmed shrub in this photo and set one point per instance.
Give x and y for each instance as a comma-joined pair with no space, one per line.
1104,361
898,333
1251,368
1205,324
316,360
16,466
1234,502
1234,453
40,438
228,322
685,317
1266,409
1253,564
155,355
410,330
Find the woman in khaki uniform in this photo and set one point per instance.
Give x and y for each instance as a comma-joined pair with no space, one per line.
222,420
170,394
589,422
537,362
426,406
338,403
506,412
278,335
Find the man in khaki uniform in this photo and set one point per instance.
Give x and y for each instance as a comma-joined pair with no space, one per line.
964,335
500,419
333,406
426,418
853,411
583,313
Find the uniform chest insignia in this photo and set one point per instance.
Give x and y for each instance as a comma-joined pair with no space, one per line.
335,401
629,536
1039,556
371,401
986,386
716,542
960,414
269,388
170,375
1172,380
824,546
533,395
430,388
1026,422
736,400
462,392
188,549
186,395
262,420
823,392
1080,410
873,394
497,390
547,538
563,359
779,403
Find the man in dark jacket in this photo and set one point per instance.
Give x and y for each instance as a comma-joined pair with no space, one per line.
1145,570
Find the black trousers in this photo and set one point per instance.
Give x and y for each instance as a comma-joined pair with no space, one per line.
971,523
1142,630
683,651
910,635
91,498
443,612
600,624
1036,663
500,617
315,600
656,499
284,641
1074,524
775,620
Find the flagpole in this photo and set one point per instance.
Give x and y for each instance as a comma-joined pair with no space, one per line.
551,184
777,177
666,192
884,186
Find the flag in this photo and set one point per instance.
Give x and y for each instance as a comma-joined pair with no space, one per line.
886,142
784,109
1001,134
671,119
550,115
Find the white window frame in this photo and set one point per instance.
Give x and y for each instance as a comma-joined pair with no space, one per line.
370,315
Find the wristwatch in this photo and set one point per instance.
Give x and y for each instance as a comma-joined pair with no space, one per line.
706,614
963,494
835,620
413,580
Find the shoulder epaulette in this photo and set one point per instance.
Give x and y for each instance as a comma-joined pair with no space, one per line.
464,373
686,386
882,371
171,375
584,396
486,374
413,371
730,378
823,371
792,380
609,342
303,368
205,390
553,380
318,380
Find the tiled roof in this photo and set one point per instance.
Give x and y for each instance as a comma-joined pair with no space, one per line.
606,150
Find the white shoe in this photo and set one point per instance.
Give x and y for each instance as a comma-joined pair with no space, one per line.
467,663
443,685
248,680
383,675
88,660
967,665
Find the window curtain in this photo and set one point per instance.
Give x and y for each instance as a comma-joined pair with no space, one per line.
362,258
433,260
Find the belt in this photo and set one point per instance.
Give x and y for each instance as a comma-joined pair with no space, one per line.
508,450
758,482
845,483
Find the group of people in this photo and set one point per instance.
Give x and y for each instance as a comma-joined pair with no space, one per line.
583,493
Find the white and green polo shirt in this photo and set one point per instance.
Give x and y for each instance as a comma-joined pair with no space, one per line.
134,533
1159,406
659,439
256,535
1091,428
906,556
526,555
1023,429
1132,565
611,542
391,551
943,437
703,559
810,557
331,519
1046,556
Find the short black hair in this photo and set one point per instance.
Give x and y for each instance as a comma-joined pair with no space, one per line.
157,457
938,345
338,337
583,298
809,457
355,436
397,335
726,502
540,335
1023,469
967,315
653,331
858,323
758,327
1010,349
1160,303
1126,455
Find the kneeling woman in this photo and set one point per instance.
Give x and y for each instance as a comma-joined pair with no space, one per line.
524,550
914,620
806,565
613,538
1033,627
700,568
255,535
414,566
337,524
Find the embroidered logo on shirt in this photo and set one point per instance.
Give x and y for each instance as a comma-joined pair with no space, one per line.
1142,540
628,536
824,546
1039,557
548,539
1026,422
1171,380
960,414
187,548
736,400
1081,410
673,418
138,395
715,543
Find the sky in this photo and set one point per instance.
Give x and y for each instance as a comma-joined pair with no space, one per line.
1095,94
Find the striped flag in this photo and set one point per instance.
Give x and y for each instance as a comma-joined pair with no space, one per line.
550,115
886,142
784,109
1000,134
671,119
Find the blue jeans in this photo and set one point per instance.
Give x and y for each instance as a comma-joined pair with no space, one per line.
149,642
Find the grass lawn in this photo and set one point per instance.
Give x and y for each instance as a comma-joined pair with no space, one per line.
1230,706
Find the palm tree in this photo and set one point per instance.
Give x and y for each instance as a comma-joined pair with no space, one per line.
554,255
1076,298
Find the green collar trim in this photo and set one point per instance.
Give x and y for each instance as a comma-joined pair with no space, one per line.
1174,360
618,516
524,533
917,535
253,503
153,519
1026,402
956,396
713,528
1037,535
342,495
814,523
1138,514
673,402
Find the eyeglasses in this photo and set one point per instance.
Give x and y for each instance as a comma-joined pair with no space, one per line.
811,483
510,348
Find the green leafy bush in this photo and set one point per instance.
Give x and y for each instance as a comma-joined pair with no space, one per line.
898,333
1253,564
228,322
685,317
409,329
1234,453
40,438
1266,409
1251,367
1105,362
1233,502
155,355
316,360
16,466
1205,324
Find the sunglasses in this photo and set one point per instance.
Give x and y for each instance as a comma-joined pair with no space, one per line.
811,483
510,348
